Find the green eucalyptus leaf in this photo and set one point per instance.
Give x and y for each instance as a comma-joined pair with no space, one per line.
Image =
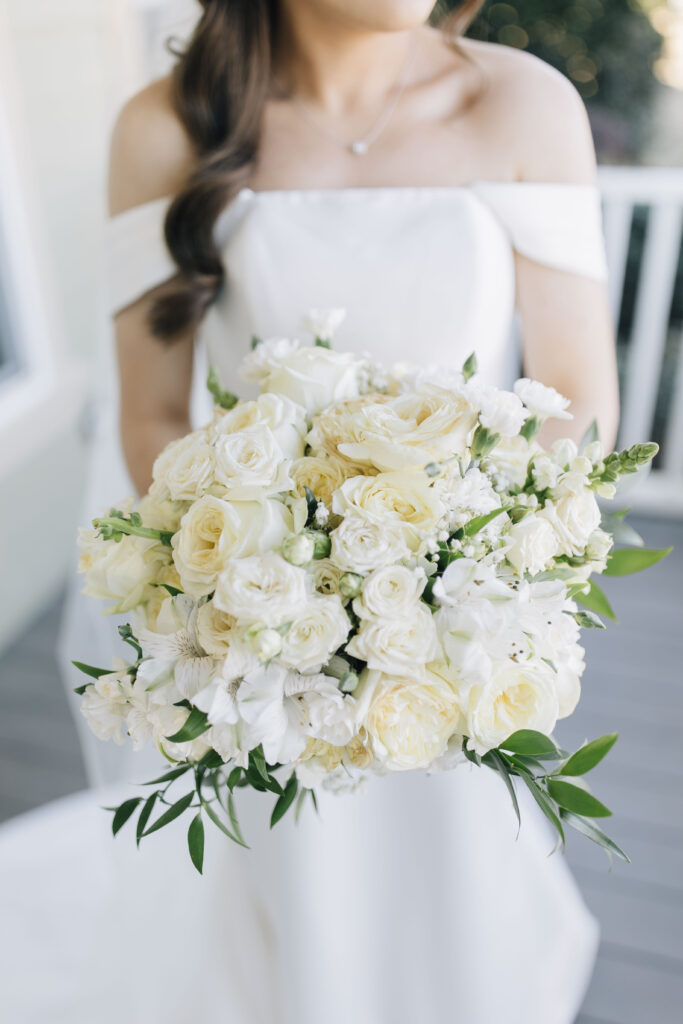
628,560
589,755
145,813
195,842
285,801
596,601
124,812
171,814
528,741
574,798
591,831
196,724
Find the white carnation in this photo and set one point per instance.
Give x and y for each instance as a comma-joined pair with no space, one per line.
542,401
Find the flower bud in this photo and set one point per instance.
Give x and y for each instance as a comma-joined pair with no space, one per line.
348,682
350,585
299,549
322,545
264,642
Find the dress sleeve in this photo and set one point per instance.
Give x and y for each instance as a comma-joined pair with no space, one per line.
137,257
553,223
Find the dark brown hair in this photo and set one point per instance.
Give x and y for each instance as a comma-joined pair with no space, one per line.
220,85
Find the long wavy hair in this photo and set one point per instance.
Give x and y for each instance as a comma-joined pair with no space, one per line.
220,85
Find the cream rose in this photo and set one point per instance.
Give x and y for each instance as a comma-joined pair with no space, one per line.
397,645
335,425
410,430
533,543
184,470
315,377
122,572
409,720
517,696
250,463
316,632
392,592
573,518
325,576
359,545
213,531
213,629
323,475
406,499
281,415
261,588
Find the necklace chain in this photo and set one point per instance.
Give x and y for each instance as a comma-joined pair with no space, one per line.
360,145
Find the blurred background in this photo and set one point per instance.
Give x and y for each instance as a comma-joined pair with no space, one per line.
65,69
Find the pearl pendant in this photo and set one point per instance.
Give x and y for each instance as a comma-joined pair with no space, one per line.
359,147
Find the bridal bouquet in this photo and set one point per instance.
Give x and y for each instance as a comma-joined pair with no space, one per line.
361,571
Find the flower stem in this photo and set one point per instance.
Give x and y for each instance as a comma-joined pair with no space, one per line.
113,527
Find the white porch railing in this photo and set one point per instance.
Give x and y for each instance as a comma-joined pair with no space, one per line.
660,189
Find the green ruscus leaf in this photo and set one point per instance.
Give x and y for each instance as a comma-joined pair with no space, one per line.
171,814
124,812
90,670
195,842
628,560
591,831
596,601
528,741
589,755
579,801
145,813
284,802
195,725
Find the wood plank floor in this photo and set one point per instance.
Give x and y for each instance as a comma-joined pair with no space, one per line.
634,684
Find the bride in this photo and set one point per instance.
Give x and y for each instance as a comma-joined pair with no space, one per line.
325,153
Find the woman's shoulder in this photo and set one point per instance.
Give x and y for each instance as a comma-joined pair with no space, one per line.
535,109
151,154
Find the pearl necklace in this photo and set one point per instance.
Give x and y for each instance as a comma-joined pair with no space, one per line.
360,146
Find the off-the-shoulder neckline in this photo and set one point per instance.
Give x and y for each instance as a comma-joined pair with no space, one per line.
363,191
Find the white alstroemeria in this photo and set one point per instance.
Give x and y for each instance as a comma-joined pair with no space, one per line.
281,709
256,367
468,580
177,654
542,401
105,704
323,323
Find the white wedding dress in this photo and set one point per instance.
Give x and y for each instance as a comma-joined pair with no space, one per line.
412,902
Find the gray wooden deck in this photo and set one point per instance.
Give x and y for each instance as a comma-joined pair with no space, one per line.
634,684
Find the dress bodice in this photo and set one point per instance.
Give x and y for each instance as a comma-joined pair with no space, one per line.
427,274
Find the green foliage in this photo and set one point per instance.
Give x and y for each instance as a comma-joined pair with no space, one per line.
629,560
596,601
223,399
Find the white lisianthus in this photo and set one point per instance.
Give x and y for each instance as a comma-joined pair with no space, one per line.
392,592
573,518
533,544
213,531
323,323
316,632
542,401
405,499
517,696
184,470
256,367
397,645
410,430
262,588
250,463
315,377
215,629
408,720
501,412
285,418
123,572
359,545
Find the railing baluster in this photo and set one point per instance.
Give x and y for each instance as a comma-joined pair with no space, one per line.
617,217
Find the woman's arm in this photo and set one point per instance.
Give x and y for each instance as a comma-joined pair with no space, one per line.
150,159
566,324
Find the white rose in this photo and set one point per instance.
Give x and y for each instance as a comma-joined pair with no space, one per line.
533,543
541,401
184,470
316,632
262,588
315,377
325,576
321,474
123,572
214,628
397,646
213,531
323,323
410,430
517,696
256,367
408,720
250,463
501,412
284,418
573,518
391,592
405,499
359,545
